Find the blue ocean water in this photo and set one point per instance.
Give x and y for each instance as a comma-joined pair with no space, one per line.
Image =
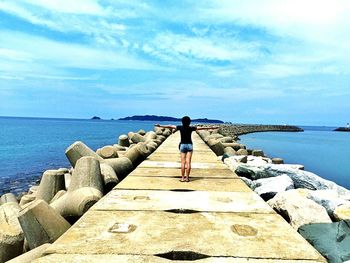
29,146
320,149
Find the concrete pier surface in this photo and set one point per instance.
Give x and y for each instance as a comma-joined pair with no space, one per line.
153,217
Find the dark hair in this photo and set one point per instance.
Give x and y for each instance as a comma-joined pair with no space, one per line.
186,121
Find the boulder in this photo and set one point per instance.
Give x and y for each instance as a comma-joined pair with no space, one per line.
41,224
51,182
31,255
277,161
267,188
258,153
107,152
342,212
256,160
329,199
332,240
301,179
123,140
248,182
242,152
85,189
297,209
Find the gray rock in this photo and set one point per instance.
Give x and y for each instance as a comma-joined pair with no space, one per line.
342,212
258,153
277,161
301,179
328,199
331,240
242,152
297,209
267,188
248,182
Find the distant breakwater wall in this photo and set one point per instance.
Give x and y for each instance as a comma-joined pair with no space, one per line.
240,129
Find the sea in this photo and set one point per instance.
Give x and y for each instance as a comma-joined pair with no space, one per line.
320,149
29,146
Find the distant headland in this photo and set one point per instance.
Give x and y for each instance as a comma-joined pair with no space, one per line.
165,118
344,129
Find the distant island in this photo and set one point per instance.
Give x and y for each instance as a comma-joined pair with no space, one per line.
344,129
165,118
95,118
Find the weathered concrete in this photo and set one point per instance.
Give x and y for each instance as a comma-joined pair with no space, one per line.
41,223
31,255
197,184
213,218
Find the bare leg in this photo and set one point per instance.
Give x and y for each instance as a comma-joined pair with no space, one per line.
188,165
183,163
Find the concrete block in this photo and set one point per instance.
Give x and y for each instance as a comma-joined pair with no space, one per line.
31,255
123,140
51,182
41,224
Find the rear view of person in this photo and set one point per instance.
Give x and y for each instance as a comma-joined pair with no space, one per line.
186,145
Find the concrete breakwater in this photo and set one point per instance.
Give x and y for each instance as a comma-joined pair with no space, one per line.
47,211
64,195
316,207
240,129
153,217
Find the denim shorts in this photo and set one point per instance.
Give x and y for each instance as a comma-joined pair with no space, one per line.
186,147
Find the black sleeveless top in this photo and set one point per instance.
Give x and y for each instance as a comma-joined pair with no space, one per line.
186,133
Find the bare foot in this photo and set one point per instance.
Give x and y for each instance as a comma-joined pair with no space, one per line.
187,179
182,180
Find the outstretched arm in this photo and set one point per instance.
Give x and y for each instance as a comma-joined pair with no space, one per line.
173,127
208,128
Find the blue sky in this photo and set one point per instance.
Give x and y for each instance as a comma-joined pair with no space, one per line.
252,61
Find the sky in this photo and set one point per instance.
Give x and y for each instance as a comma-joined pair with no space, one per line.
251,61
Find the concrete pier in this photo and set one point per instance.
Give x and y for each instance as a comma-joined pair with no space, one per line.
153,217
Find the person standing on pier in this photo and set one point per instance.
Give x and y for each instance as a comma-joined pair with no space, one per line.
186,145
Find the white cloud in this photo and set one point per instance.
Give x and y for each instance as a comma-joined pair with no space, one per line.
90,7
29,54
171,47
